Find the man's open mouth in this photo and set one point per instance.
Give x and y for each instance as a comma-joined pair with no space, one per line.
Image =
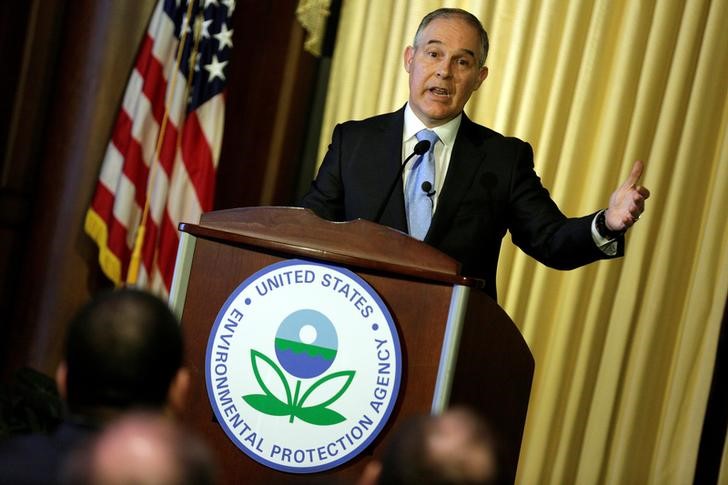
439,91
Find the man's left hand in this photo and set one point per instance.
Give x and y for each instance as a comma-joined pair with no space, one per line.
627,203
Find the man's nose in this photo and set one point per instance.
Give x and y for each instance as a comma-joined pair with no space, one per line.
444,68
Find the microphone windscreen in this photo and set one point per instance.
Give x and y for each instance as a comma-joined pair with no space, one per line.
422,147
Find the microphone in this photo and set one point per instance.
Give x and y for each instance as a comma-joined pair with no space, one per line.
420,149
427,188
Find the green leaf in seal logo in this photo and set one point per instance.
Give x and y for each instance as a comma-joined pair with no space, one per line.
318,414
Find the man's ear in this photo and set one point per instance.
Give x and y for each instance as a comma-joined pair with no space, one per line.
178,391
409,54
62,379
482,75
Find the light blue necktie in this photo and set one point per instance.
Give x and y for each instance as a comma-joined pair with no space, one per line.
419,203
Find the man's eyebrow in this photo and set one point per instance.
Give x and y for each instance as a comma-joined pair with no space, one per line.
439,42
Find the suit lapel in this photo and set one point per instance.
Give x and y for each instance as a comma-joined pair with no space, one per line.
387,157
465,160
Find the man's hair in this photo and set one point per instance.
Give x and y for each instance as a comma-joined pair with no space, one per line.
447,13
123,349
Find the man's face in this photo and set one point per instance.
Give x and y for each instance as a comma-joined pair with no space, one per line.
443,70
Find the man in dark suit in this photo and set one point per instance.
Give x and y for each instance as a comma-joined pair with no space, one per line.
484,183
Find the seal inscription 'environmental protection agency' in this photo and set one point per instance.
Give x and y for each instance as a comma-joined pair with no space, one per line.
303,366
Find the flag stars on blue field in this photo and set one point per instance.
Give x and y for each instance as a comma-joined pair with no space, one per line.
230,4
224,37
215,68
206,28
207,44
186,28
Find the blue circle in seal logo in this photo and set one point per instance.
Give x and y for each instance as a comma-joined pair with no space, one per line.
303,366
306,343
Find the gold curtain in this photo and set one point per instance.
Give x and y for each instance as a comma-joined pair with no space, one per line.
624,349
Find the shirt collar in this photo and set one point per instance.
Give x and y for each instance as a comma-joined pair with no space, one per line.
446,132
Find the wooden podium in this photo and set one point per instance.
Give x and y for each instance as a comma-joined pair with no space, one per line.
458,346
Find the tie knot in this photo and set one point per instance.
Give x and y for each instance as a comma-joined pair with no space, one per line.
428,135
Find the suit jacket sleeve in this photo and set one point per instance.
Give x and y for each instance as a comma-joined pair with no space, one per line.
540,229
326,194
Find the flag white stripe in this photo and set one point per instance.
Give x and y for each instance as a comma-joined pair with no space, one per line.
133,93
157,284
183,205
176,101
161,30
158,195
145,129
111,168
212,123
126,210
158,17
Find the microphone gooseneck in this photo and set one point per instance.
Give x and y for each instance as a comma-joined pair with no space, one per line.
420,149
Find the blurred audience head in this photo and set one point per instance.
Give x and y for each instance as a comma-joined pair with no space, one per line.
123,350
453,448
140,449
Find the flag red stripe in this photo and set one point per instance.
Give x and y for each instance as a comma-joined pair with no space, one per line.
121,138
117,243
168,242
197,158
168,149
150,244
152,71
103,202
134,166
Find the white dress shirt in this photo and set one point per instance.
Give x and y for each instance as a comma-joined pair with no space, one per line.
443,148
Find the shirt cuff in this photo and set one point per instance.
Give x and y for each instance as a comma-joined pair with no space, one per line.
605,245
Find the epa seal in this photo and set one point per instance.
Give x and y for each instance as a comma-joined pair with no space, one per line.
303,366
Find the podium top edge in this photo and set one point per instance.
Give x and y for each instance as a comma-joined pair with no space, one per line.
298,232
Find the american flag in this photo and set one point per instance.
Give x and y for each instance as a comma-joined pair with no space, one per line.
165,145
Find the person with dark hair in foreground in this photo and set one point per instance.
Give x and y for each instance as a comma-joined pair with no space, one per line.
455,447
469,185
123,351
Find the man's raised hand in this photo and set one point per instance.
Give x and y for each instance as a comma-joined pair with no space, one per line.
627,203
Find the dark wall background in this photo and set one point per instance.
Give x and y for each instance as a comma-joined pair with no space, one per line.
65,64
